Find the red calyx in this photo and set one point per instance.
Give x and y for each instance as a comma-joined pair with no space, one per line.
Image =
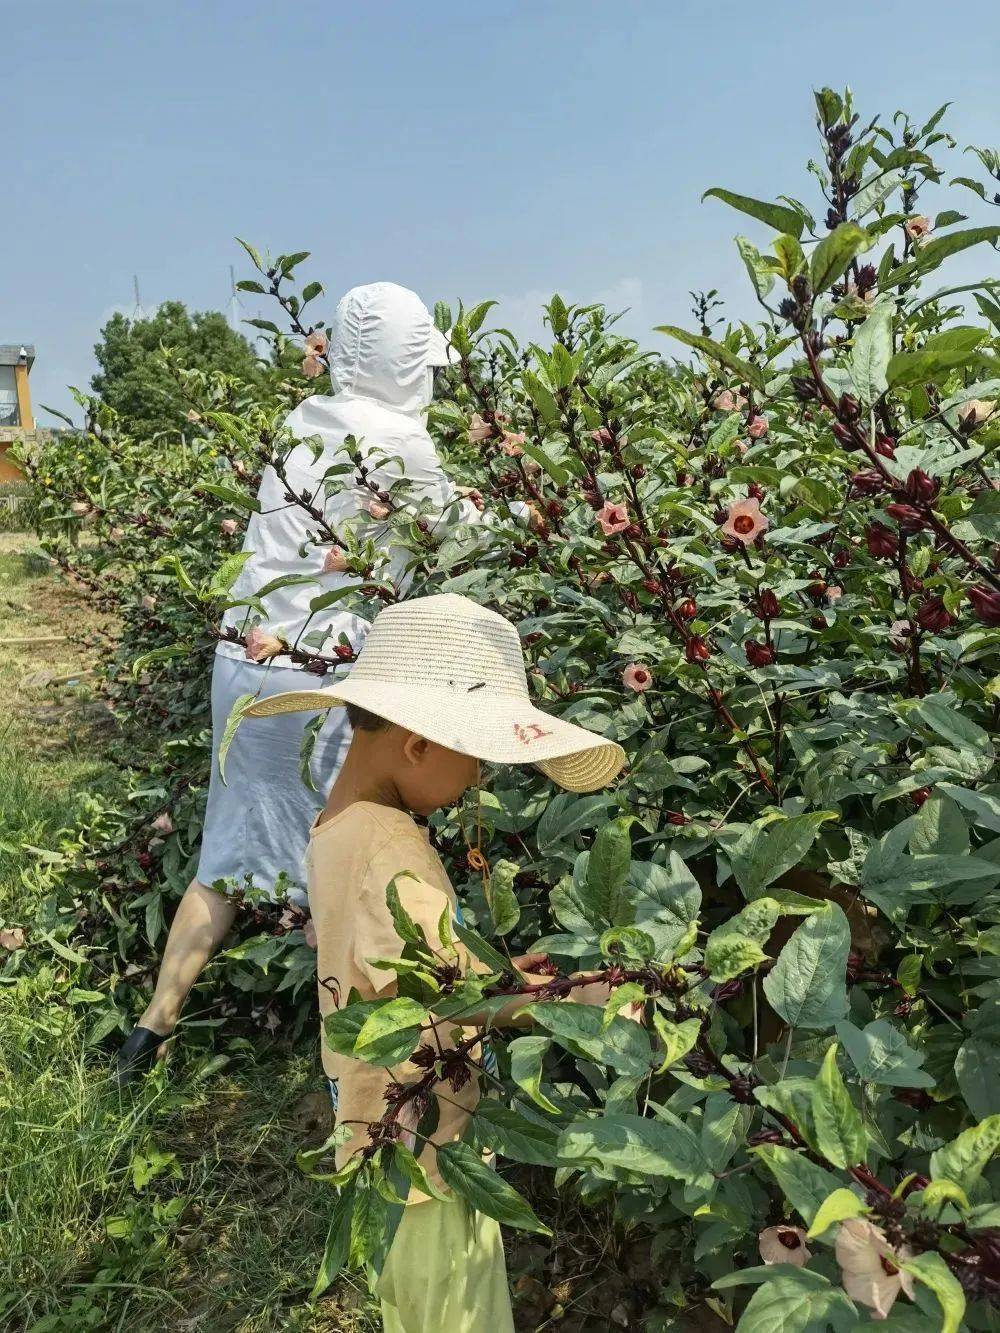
758,654
766,605
919,488
986,604
881,541
908,518
918,797
687,609
696,649
885,446
933,615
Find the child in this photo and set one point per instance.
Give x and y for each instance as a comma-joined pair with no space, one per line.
438,686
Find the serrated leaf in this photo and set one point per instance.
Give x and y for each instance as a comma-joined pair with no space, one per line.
485,1191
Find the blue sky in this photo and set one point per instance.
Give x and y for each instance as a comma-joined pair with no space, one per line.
477,149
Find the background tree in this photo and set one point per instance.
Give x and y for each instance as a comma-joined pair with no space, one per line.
134,378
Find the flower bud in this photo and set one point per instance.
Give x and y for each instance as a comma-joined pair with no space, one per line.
885,446
696,649
261,646
378,511
843,436
868,482
344,651
986,604
228,527
932,615
756,491
163,823
918,797
602,437
757,428
800,288
758,654
848,409
766,605
805,388
882,541
908,518
687,609
919,488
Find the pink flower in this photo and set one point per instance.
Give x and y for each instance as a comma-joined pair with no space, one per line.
834,592
870,1267
757,428
335,561
636,677
309,934
312,367
228,526
12,939
975,412
725,401
149,602
613,518
784,1245
377,509
262,646
479,429
917,227
512,444
317,343
741,447
744,521
163,823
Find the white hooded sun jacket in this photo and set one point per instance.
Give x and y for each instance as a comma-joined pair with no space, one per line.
383,352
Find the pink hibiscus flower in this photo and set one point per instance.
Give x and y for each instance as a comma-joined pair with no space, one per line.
784,1245
744,521
636,677
870,1267
613,518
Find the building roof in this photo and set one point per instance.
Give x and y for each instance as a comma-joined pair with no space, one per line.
11,353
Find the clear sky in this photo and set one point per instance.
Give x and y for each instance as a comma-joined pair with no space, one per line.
485,148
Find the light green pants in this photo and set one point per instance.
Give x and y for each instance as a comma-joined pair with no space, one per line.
445,1270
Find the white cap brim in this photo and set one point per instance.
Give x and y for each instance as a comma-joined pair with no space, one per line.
497,728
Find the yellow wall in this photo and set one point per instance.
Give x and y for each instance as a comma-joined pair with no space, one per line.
27,421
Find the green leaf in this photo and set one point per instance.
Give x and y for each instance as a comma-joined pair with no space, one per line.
940,353
509,1133
804,1184
774,215
227,573
840,1134
882,1055
931,1269
807,985
233,721
579,1028
395,1024
232,497
403,924
935,251
485,1191
833,254
677,1038
338,1241
729,954
770,847
984,515
329,598
715,352
415,1173
566,815
526,1057
667,903
501,898
977,1069
872,352
555,470
480,949
939,828
607,871
760,267
964,1159
310,291
836,1207
792,1302
661,1147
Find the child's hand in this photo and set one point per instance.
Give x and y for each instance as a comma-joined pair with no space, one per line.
531,962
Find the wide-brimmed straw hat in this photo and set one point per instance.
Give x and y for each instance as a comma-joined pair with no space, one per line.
453,672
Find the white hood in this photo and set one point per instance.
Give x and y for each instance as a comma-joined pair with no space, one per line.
385,347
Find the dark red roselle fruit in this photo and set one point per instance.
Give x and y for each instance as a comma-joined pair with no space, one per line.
687,609
908,518
919,488
758,654
881,541
696,649
766,605
932,615
986,604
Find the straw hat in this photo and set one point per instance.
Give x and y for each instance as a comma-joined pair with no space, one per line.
452,671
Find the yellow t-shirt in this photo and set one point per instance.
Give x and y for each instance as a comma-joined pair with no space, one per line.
352,859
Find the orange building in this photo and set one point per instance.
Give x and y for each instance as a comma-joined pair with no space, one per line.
16,420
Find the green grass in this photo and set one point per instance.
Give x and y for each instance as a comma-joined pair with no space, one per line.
175,1208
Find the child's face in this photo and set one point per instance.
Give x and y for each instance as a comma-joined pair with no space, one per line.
432,777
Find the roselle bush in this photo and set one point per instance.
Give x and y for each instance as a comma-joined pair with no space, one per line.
770,571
